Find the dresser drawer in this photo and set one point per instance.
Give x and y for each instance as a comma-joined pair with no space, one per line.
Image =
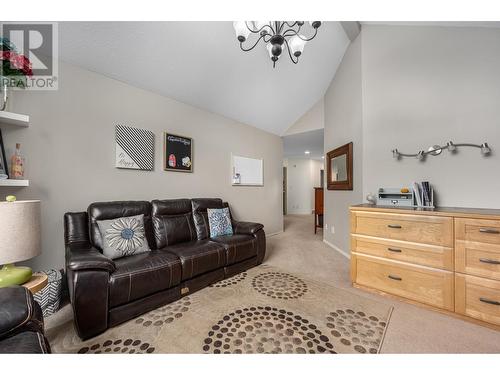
433,230
421,284
478,230
476,258
415,253
478,298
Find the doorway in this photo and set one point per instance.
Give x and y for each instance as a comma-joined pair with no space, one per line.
284,191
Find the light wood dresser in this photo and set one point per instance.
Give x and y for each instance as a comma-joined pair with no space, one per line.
443,258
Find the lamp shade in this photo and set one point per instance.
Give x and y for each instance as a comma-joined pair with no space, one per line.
20,235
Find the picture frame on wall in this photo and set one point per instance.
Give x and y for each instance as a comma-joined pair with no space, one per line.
134,148
4,171
177,153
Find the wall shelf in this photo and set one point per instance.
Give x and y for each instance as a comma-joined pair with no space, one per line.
14,119
13,183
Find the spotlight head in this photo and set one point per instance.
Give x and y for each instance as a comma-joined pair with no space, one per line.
451,146
485,149
395,154
420,155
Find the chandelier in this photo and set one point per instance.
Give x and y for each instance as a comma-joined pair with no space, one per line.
278,36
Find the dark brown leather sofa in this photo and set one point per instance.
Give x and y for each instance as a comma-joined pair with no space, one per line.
182,260
21,323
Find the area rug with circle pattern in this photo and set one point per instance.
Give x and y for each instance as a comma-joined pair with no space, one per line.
263,310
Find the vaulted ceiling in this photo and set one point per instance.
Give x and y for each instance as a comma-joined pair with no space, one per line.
200,63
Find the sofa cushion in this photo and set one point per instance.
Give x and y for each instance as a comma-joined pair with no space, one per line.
198,257
123,236
219,222
27,342
238,247
200,216
113,210
172,222
17,309
140,275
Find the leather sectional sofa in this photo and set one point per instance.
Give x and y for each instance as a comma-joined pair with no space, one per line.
21,323
182,260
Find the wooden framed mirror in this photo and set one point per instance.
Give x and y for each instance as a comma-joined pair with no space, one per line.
339,168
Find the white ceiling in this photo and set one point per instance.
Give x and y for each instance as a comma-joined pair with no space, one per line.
295,145
200,63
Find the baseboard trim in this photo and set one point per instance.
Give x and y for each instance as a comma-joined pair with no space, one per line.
274,234
348,256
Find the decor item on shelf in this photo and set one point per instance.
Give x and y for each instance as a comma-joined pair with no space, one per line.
424,194
17,164
372,199
339,168
14,70
395,197
4,172
436,150
21,239
177,153
278,35
135,148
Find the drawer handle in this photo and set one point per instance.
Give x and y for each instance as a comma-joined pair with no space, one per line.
489,261
394,226
491,302
394,250
489,230
395,278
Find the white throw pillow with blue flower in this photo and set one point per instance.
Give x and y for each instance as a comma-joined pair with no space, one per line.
123,236
219,222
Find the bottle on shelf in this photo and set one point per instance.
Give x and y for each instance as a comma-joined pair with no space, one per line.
17,164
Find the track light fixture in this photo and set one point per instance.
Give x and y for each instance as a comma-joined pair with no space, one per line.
436,150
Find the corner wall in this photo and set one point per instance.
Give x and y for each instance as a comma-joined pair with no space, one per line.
70,154
343,124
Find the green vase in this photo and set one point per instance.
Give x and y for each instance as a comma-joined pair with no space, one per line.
12,275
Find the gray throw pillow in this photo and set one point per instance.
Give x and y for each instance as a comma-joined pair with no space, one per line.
123,236
219,222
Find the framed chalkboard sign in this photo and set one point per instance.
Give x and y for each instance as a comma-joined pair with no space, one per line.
177,153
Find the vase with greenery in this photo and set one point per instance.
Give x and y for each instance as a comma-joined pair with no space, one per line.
14,70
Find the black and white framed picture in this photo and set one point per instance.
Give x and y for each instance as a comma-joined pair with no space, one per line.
177,153
135,148
4,172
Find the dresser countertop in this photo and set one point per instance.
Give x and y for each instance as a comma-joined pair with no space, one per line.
476,213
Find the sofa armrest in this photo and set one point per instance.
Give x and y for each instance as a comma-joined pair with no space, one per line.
245,227
16,309
78,259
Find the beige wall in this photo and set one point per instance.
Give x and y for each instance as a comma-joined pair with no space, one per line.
428,85
70,151
343,124
313,119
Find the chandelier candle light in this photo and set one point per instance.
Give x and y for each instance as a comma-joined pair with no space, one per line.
278,35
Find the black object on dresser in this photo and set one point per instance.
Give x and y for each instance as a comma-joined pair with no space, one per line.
182,260
21,323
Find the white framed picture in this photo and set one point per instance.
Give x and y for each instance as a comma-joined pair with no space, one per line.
246,171
134,148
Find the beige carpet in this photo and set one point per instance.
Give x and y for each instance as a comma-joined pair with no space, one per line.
412,329
263,310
